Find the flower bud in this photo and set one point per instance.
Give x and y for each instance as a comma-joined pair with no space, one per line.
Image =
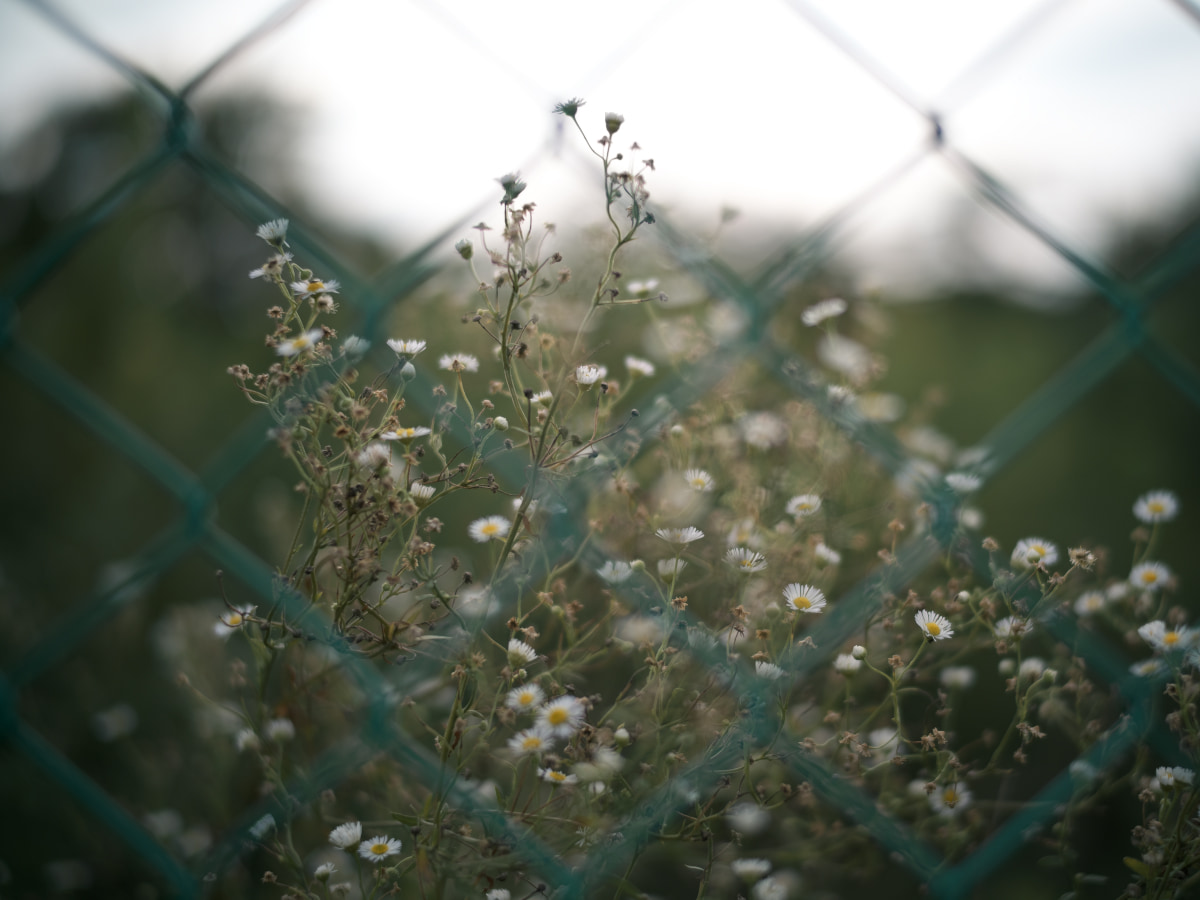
408,372
858,651
465,248
500,423
612,122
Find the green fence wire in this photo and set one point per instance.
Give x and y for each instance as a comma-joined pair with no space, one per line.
196,494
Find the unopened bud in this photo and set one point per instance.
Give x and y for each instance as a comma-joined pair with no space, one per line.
612,122
465,248
500,423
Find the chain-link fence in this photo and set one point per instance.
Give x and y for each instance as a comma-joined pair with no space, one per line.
194,492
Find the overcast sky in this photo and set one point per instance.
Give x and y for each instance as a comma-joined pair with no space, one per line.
1089,109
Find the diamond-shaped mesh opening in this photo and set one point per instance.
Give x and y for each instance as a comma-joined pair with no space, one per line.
116,510
1059,174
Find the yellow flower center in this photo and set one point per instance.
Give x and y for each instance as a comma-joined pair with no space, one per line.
526,699
532,742
802,603
949,796
317,284
489,529
1156,506
933,628
557,776
557,716
1171,637
379,849
235,619
1150,577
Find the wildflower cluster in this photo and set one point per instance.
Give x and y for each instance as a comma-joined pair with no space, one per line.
610,611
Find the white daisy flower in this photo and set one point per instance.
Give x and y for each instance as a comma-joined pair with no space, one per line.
525,698
346,835
1157,636
773,887
1169,777
763,430
531,742
1031,551
588,375
231,620
497,894
743,533
680,535
963,483
1118,590
826,309
768,670
670,569
563,716
1149,576
300,343
639,367
520,653
1032,668
1156,506
748,818
379,848
957,677
553,776
373,455
936,627
745,561
1090,603
1011,627
827,556
698,480
847,662
421,492
246,739
950,799
324,871
405,348
804,598
970,517
355,347
844,356
262,827
459,362
542,398
314,286
273,231
279,730
803,505
884,743
406,434
489,528
615,571
750,869
1148,668
273,267
641,289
